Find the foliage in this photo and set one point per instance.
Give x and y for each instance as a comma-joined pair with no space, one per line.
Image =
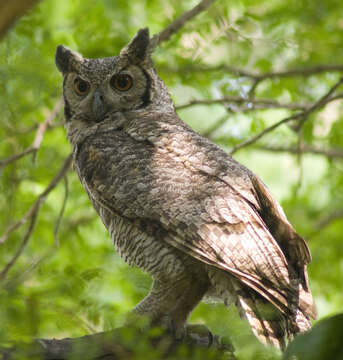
323,342
68,281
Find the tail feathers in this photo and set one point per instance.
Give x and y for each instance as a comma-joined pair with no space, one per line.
270,326
306,303
267,323
298,323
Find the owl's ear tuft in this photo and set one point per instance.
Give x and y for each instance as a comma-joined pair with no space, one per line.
137,50
67,59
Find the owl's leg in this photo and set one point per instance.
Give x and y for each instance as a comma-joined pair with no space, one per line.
188,300
171,302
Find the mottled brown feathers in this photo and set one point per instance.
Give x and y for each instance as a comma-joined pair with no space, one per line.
179,207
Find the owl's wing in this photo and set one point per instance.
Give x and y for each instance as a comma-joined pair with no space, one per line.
246,231
246,249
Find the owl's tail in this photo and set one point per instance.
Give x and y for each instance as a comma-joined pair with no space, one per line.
268,324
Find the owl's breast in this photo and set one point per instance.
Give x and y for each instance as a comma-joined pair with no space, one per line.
116,171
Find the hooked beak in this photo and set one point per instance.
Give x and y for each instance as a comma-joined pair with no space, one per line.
98,106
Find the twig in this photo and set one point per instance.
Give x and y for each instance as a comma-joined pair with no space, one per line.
317,105
328,219
300,115
251,93
297,72
28,233
38,138
39,201
300,71
208,133
60,215
177,24
300,146
335,153
256,103
16,157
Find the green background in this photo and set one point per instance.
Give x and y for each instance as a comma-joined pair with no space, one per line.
74,283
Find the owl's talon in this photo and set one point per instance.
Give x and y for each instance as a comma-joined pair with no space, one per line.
200,334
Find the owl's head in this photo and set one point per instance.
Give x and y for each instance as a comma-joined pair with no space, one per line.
95,88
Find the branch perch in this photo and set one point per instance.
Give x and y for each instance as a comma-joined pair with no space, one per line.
121,343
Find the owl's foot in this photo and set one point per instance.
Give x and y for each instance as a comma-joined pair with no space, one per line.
197,333
200,334
186,333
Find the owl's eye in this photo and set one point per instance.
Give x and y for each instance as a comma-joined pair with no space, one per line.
81,87
121,82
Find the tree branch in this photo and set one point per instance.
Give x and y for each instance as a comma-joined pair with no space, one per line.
251,104
301,116
307,71
335,153
328,219
25,240
120,344
32,215
16,157
177,24
221,121
60,215
256,76
38,138
319,104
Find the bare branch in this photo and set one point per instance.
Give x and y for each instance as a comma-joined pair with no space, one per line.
60,216
110,345
16,157
336,153
317,105
251,104
10,11
297,116
221,121
39,201
297,72
252,91
328,219
177,24
38,138
28,233
306,71
48,121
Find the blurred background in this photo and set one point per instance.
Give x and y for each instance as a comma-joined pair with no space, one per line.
233,71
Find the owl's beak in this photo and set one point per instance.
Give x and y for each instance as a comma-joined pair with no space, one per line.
98,106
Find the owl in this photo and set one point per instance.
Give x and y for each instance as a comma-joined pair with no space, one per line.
175,204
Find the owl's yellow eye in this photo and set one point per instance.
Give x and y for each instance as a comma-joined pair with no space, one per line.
121,82
81,87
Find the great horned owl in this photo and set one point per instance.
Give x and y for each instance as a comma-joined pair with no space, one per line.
175,204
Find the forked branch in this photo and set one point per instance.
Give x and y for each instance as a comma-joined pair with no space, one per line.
31,215
38,138
301,116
